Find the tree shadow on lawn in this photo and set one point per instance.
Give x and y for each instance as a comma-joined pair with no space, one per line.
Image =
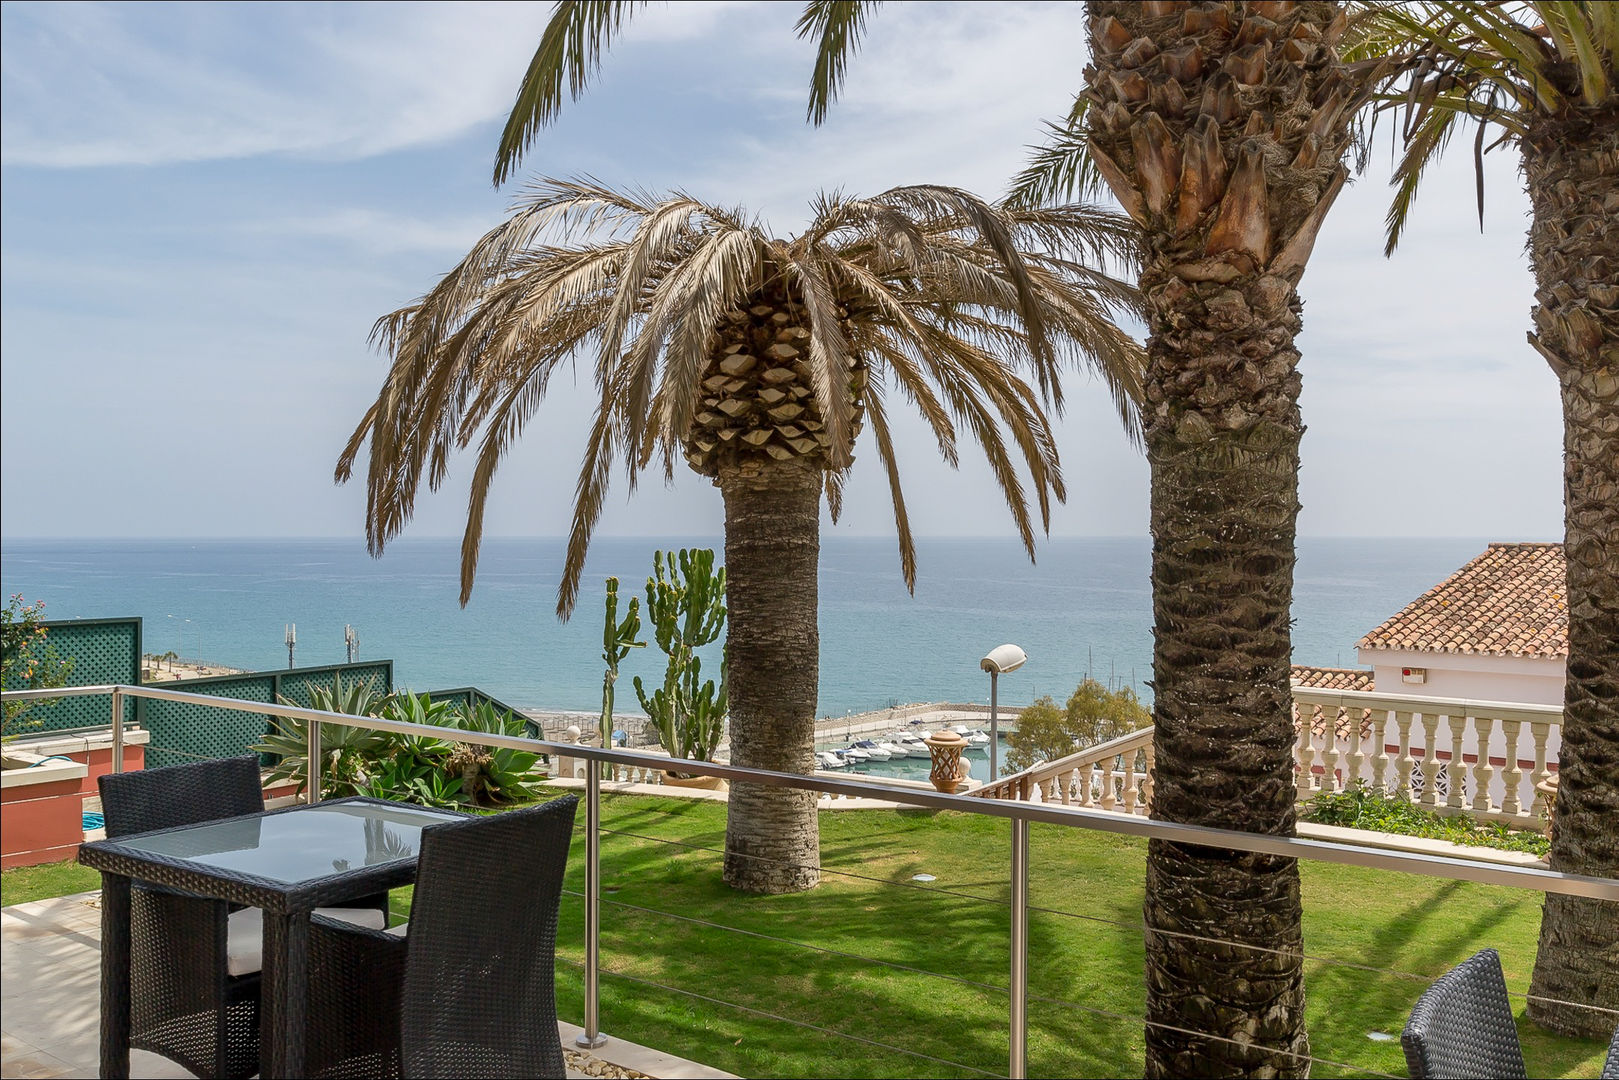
907,1009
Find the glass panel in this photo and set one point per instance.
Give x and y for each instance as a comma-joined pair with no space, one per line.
301,844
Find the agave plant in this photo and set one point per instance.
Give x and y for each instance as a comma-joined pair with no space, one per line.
345,752
755,360
491,775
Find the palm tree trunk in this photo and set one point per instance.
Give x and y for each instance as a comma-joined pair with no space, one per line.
1221,128
1223,435
1574,244
772,555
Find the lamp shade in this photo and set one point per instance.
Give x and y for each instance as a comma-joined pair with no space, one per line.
1003,658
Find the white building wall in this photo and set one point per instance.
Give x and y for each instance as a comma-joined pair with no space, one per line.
1530,680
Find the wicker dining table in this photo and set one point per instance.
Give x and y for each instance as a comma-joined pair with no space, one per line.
286,862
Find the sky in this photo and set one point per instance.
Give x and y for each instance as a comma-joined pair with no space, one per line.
203,209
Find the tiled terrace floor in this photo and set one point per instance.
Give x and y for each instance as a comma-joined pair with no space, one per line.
50,998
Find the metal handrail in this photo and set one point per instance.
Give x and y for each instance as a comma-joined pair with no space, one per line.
1020,814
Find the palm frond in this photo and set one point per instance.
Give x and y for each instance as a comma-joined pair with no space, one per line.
941,300
569,54
1061,168
837,26
885,453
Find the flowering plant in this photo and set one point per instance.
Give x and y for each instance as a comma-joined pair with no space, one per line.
28,661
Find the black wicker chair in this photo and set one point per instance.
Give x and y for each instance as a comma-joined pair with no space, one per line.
1462,1025
467,988
1610,1067
184,1003
194,961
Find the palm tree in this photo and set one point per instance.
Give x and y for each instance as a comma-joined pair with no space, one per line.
1543,78
755,360
1220,128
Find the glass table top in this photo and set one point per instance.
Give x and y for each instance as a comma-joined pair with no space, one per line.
299,845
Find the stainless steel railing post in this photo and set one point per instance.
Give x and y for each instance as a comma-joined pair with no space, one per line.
1020,949
592,1036
312,789
117,731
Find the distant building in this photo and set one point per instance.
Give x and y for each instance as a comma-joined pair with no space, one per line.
1495,630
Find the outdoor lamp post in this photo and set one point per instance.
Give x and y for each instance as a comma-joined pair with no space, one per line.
1001,659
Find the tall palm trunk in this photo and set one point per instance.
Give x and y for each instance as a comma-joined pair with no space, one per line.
772,551
1220,127
1223,442
1571,166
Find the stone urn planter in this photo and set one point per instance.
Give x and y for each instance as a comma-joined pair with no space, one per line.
1548,790
948,774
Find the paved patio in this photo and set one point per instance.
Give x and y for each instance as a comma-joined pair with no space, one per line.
50,954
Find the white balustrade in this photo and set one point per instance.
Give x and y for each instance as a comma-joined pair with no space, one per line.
1449,756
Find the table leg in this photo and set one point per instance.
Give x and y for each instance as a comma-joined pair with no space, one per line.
285,986
114,975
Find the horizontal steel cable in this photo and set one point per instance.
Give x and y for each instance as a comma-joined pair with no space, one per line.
1360,1069
801,944
1132,926
784,1019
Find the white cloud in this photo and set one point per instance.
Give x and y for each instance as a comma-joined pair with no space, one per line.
378,232
99,85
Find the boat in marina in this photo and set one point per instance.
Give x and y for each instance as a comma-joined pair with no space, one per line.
976,739
830,759
911,743
874,751
895,750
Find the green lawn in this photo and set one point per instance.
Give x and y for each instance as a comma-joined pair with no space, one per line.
1085,970
25,883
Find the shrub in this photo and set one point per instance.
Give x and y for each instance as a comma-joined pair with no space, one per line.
405,768
1362,807
1094,714
28,661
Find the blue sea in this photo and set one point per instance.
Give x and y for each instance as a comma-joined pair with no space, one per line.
1084,608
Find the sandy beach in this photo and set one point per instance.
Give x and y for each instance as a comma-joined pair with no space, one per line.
155,669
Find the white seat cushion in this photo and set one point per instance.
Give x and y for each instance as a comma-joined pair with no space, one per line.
244,934
399,931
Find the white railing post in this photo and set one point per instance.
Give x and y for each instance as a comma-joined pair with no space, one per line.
1483,772
592,1037
1019,1040
313,763
1511,775
1456,797
1430,759
1380,759
1407,763
1541,733
117,731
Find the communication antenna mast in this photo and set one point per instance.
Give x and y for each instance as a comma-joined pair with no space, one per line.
351,640
292,641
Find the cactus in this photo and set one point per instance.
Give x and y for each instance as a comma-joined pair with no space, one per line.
618,638
685,602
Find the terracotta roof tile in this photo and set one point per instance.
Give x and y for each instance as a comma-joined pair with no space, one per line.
1333,678
1508,601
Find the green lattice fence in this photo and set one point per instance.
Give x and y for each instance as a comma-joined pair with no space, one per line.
103,651
184,731
462,696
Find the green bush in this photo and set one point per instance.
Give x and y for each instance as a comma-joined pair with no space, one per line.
1094,714
1363,807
